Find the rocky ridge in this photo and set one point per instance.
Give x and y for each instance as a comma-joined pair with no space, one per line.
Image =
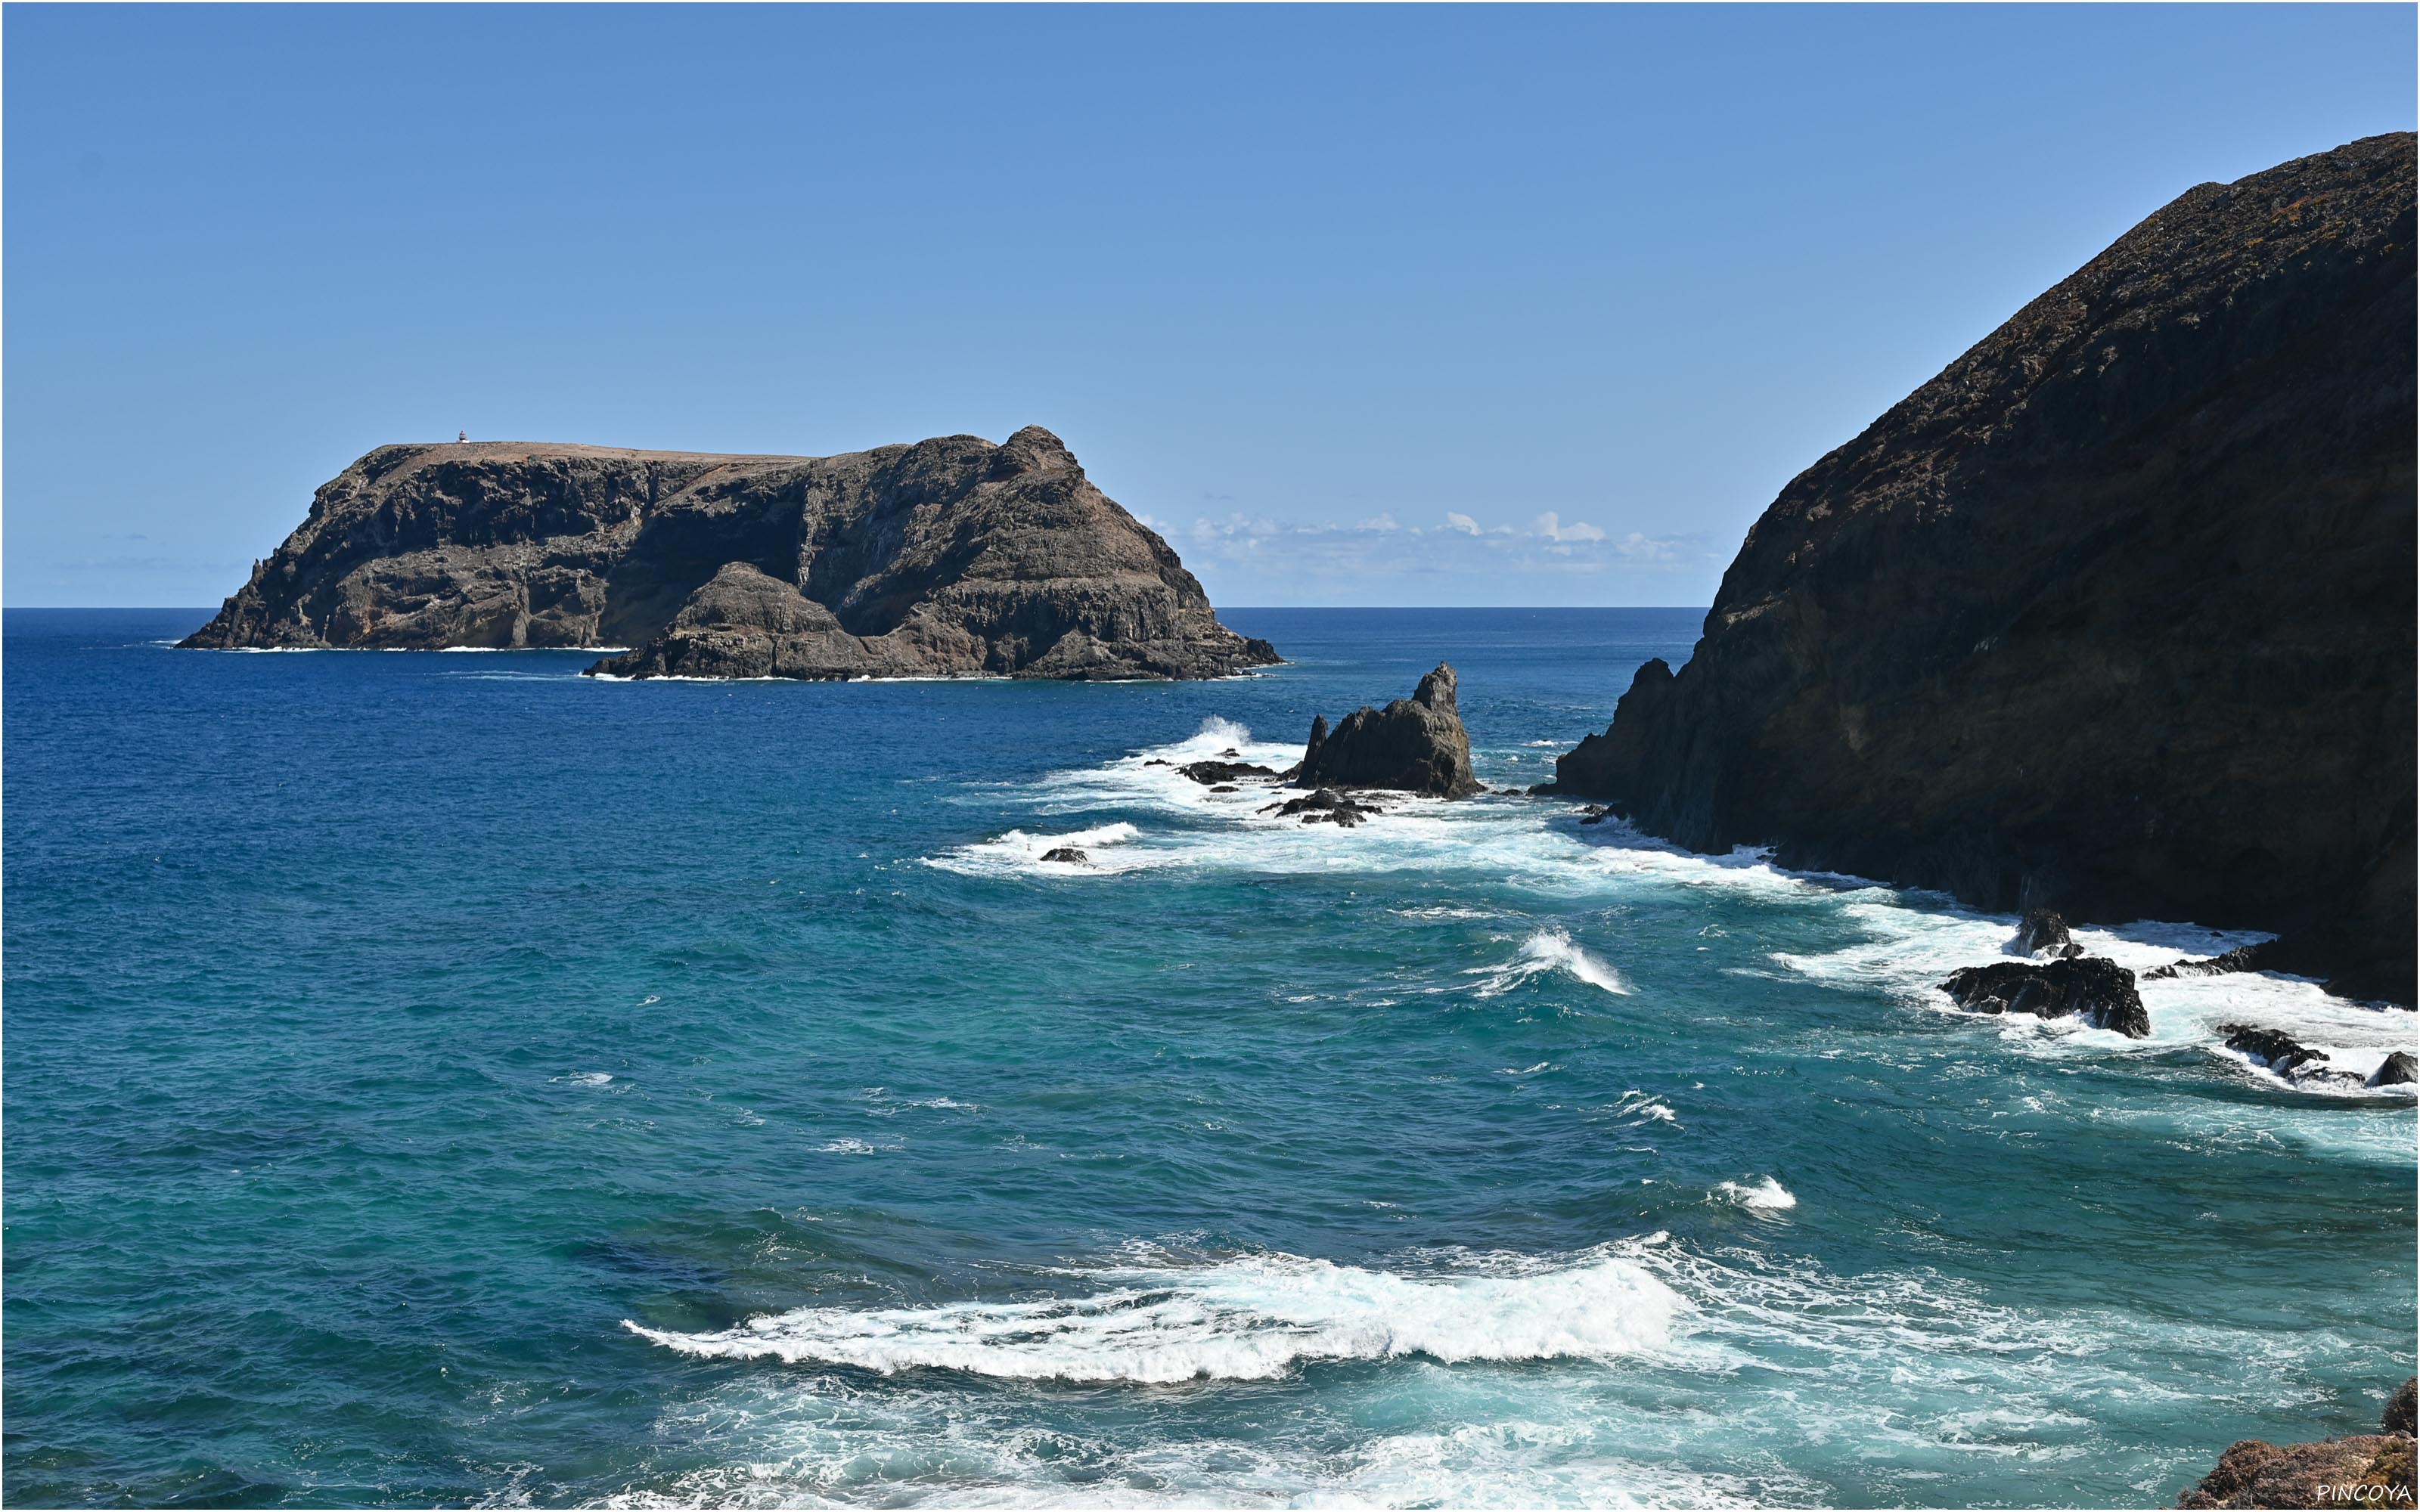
2113,615
952,557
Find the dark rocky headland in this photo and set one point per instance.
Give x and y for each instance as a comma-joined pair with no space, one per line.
953,557
2115,615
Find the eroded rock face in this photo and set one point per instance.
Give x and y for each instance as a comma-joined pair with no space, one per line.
953,557
2044,931
1414,745
2099,989
2116,614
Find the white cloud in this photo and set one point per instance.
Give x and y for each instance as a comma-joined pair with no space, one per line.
1462,522
1376,522
1553,529
1638,548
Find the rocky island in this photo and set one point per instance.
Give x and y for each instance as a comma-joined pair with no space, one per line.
2115,615
953,557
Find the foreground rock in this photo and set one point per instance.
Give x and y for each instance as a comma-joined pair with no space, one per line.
2400,1069
2370,1469
1414,745
953,557
2116,614
2099,990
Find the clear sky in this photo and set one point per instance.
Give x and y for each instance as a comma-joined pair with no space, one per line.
1358,305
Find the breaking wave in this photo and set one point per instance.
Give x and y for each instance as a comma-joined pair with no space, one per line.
1249,1319
1548,951
1762,1195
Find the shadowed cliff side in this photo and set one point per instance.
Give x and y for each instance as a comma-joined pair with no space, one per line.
952,557
2115,615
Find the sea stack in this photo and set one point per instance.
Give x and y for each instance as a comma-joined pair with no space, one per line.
2113,616
1414,745
952,557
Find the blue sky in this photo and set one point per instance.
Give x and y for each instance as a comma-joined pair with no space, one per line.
1358,305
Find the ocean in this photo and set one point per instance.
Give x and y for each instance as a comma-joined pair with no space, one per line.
439,1078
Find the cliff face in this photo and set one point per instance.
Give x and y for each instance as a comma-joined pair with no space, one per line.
950,557
2115,615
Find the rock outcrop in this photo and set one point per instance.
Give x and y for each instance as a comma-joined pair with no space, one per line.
2115,615
2044,931
1414,745
2401,1068
953,557
2369,1470
1326,806
2097,990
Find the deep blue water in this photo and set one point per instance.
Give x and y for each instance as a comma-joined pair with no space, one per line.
385,1031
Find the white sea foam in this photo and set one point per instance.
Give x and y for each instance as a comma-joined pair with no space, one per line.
1910,941
1644,1107
1019,853
1249,1319
1763,1195
1549,950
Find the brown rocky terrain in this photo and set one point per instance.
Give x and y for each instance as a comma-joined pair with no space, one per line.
2363,1470
2115,615
952,557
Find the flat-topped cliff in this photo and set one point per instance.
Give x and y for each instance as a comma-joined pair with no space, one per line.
2115,615
952,557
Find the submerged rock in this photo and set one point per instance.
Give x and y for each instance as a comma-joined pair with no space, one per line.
2099,989
2243,958
1210,772
2274,1048
1067,855
1414,745
2116,611
1326,806
953,557
2369,1470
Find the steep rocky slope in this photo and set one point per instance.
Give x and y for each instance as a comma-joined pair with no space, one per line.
2115,615
950,557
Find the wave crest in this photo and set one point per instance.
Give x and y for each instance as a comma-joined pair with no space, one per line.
1250,1319
1549,950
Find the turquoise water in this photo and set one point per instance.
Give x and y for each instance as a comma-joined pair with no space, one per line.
441,1079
